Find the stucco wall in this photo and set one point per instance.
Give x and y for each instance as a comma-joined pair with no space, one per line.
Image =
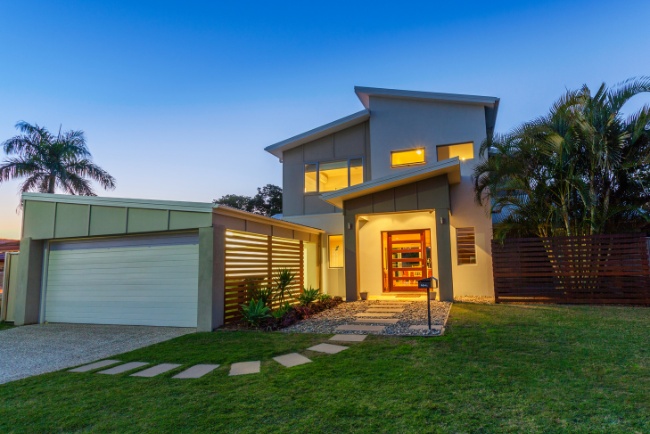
370,244
333,279
349,143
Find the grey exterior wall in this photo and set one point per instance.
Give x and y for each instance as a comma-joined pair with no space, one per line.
349,143
432,193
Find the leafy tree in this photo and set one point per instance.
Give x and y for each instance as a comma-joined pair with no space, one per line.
49,162
267,201
581,169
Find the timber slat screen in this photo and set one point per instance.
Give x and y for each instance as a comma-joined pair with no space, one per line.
599,269
253,259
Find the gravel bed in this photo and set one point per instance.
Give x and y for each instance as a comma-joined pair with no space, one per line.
415,313
474,299
37,349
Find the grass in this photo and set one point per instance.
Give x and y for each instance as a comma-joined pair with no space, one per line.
498,369
5,326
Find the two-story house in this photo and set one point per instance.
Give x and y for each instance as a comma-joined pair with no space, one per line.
391,187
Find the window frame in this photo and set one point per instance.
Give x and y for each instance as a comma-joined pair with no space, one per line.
424,157
467,142
329,251
318,164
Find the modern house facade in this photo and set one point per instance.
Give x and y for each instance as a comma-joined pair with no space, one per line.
391,188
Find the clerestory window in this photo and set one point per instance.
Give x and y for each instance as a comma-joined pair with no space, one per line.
333,175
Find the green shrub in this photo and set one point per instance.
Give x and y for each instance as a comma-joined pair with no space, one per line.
283,278
281,311
324,297
258,290
255,312
309,295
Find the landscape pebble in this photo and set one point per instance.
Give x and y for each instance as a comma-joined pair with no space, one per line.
415,313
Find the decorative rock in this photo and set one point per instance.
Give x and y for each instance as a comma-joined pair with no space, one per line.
243,368
95,365
156,370
426,327
385,310
196,371
290,360
123,368
327,348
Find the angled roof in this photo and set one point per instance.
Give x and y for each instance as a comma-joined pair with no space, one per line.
451,167
364,94
121,202
340,124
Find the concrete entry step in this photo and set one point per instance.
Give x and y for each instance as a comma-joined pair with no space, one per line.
244,368
360,328
293,359
375,314
348,338
95,365
156,370
377,321
384,309
123,368
196,371
327,348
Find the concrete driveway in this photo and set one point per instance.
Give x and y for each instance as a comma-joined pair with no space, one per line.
37,349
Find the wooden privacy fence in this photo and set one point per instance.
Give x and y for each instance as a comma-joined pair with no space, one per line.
253,259
599,269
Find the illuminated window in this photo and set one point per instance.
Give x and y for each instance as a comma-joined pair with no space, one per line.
407,157
335,243
333,175
464,151
466,246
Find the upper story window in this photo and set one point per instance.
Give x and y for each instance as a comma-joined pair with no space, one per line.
464,151
333,175
407,157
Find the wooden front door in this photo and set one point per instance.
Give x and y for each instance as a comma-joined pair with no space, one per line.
405,259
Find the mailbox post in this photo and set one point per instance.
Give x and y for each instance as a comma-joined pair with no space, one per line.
428,284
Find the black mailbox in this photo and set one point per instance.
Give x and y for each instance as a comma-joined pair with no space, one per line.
425,283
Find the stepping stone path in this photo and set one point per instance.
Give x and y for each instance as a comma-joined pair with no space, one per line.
96,365
360,328
385,309
244,368
293,359
328,348
375,314
377,321
426,327
155,370
123,368
196,371
348,338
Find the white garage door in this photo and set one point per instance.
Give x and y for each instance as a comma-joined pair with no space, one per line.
144,280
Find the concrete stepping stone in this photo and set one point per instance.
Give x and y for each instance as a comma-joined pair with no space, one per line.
375,314
156,370
123,368
293,359
95,365
243,368
327,348
359,328
196,371
377,321
426,327
348,338
384,309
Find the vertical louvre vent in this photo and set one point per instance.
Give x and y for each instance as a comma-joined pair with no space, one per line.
466,245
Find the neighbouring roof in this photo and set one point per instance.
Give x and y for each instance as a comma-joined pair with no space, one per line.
449,167
8,246
338,125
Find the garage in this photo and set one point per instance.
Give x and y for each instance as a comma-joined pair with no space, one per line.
135,280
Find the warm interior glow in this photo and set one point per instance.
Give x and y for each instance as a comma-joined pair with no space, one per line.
332,176
310,178
407,157
464,151
356,171
336,251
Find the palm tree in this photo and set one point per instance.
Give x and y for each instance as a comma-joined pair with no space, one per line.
581,169
49,162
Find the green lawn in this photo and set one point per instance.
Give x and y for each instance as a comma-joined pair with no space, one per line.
5,326
498,369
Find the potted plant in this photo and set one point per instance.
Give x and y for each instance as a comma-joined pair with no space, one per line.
364,295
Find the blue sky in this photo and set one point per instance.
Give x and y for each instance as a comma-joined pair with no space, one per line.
178,99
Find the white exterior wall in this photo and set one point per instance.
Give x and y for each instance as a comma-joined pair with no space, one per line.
370,248
397,124
333,279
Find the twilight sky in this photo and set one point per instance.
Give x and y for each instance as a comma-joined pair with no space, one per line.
179,98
